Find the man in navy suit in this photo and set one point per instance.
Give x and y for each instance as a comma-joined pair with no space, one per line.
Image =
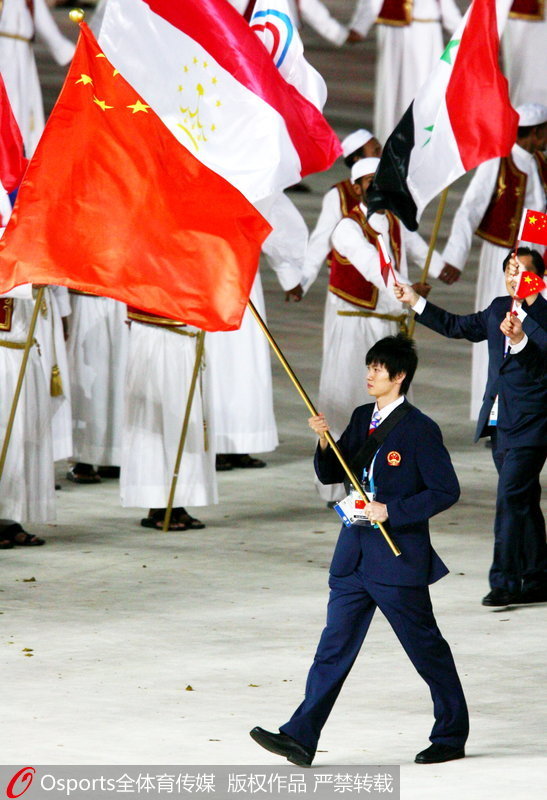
413,479
514,414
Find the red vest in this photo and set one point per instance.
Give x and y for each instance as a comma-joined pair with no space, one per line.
347,282
348,196
501,221
137,315
6,313
527,9
395,12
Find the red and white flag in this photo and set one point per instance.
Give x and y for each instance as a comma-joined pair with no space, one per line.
460,117
203,70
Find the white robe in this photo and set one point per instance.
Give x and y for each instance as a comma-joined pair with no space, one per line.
50,337
406,56
97,356
239,367
18,66
525,56
159,370
27,487
347,339
490,280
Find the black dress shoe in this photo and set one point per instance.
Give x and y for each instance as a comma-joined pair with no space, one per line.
500,597
437,753
283,745
536,595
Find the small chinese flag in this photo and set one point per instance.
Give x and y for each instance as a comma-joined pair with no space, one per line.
529,283
534,227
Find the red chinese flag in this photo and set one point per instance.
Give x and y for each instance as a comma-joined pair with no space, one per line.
12,161
534,227
113,204
529,283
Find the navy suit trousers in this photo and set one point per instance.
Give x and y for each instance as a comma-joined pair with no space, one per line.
352,603
520,549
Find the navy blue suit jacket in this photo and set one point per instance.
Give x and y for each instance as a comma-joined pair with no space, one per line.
421,485
522,417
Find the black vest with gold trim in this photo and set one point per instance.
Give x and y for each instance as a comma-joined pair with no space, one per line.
501,221
345,280
531,10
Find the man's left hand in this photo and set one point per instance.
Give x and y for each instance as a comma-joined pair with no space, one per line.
376,512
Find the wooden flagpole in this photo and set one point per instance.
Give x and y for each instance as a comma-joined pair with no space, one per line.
15,402
200,342
432,245
313,412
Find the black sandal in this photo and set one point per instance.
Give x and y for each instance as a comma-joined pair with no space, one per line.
156,517
190,523
18,536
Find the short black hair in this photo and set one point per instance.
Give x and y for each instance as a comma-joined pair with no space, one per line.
397,354
538,265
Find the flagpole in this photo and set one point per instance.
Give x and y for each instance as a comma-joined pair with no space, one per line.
15,402
313,412
200,341
432,245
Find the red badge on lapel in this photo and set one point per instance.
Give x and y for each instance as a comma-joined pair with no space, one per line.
394,458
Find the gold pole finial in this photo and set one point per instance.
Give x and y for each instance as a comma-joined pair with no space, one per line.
76,15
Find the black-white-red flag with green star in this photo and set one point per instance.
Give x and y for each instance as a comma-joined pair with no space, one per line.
460,117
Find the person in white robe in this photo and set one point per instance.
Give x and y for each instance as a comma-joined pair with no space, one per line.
20,21
348,334
97,358
27,492
479,193
159,370
238,362
525,56
358,144
50,335
406,52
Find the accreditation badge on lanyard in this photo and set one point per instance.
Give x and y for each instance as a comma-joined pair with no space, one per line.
352,508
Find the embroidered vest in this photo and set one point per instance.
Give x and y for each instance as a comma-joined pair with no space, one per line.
345,280
395,12
501,220
532,10
6,313
348,196
136,315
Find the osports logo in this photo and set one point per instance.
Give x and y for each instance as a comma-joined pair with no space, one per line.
276,30
20,781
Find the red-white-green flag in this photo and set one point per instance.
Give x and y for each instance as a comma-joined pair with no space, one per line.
460,117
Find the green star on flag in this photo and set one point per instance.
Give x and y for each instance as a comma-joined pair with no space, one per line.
447,54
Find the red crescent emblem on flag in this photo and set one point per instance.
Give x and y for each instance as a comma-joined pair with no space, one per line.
394,458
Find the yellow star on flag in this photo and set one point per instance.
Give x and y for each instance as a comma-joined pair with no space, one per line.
532,220
138,106
85,79
101,103
528,279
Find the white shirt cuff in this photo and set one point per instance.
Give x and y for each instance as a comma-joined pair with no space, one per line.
419,305
516,348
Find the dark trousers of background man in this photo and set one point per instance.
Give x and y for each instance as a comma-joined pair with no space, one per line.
520,549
